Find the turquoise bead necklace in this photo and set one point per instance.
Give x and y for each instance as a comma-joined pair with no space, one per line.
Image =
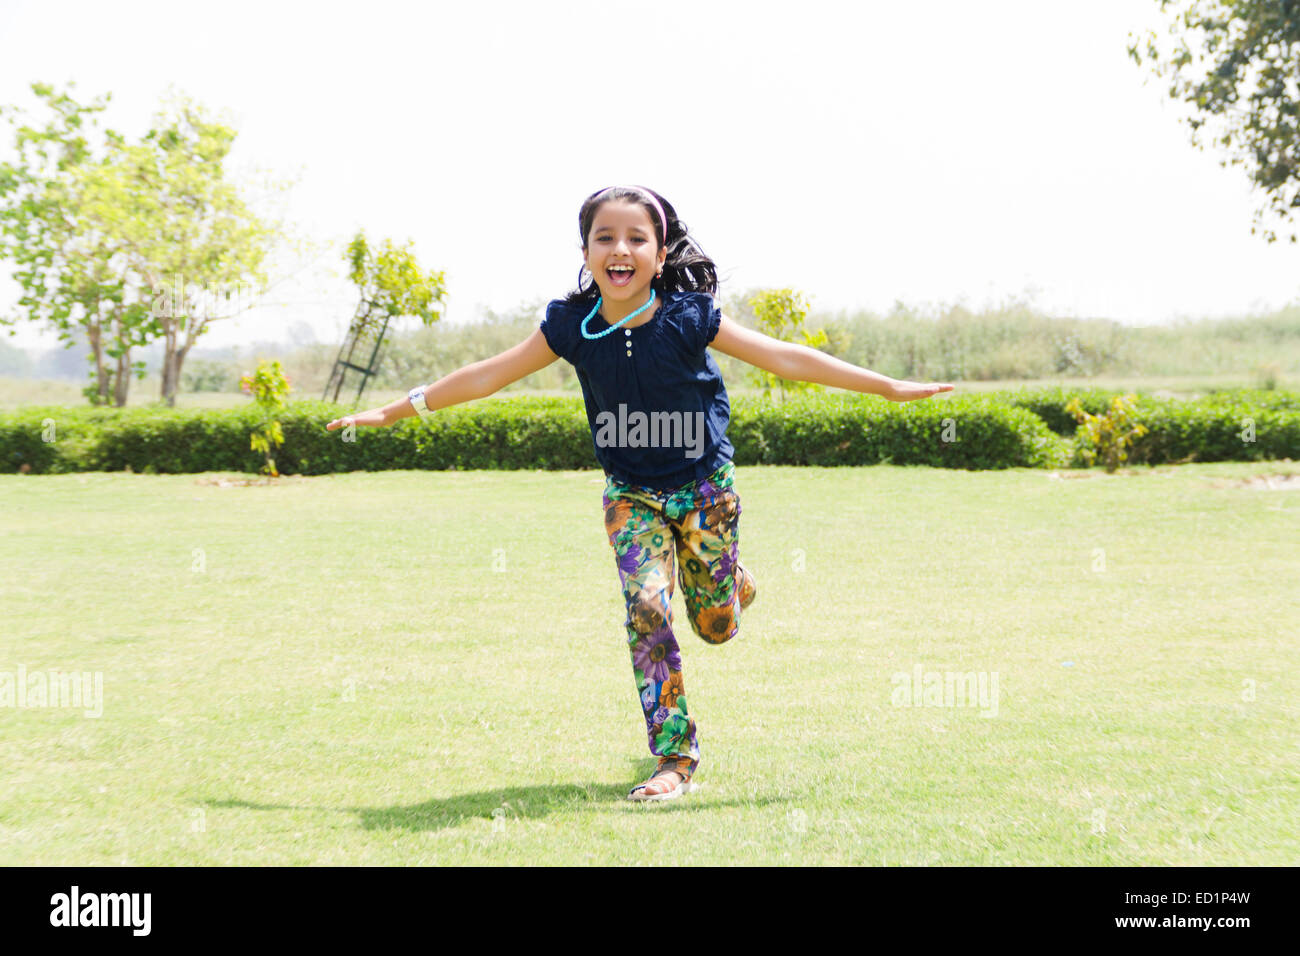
592,314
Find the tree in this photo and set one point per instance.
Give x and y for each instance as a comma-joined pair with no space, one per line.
390,283
1236,63
131,243
71,277
185,230
780,313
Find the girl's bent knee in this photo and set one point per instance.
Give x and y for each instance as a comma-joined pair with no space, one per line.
716,625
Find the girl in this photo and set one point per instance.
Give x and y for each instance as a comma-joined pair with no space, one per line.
637,330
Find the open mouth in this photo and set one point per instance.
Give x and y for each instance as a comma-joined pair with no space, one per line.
619,275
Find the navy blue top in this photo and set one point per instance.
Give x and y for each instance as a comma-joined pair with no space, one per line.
658,416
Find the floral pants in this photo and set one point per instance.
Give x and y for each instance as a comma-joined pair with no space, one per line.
699,521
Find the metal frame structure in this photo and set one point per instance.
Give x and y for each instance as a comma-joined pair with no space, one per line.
362,330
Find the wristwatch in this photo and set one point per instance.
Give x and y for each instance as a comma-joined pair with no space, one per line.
416,395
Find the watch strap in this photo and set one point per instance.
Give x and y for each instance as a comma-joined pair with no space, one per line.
416,395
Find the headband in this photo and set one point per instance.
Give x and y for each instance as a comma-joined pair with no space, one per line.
663,220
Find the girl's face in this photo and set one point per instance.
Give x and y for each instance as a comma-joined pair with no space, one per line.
623,252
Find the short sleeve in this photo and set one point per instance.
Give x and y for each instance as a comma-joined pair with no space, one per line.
712,319
557,327
701,319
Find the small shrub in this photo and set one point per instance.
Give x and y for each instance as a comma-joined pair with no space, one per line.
269,386
1108,436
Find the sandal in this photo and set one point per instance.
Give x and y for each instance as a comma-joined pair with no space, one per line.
748,587
660,786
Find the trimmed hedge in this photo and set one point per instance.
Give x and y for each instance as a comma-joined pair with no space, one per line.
983,431
1049,403
524,432
1275,399
971,432
1218,430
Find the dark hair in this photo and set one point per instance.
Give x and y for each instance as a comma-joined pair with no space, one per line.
686,267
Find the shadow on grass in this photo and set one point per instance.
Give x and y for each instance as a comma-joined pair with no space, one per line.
520,803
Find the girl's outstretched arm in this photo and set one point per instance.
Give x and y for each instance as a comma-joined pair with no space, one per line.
477,380
799,363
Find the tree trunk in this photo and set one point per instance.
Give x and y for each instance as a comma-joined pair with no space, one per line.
178,363
122,374
123,380
174,360
170,368
94,333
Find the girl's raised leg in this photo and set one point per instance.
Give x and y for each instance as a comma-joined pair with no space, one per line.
714,583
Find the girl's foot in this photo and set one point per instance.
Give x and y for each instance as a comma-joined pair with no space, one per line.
665,784
748,587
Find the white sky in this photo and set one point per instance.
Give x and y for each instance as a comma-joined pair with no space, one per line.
863,153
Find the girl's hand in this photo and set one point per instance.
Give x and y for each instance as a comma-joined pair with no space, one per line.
910,391
374,418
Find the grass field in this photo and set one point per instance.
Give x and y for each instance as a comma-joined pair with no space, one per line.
430,668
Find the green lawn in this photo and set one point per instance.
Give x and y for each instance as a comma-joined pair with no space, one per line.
346,670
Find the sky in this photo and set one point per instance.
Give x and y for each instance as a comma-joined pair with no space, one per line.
865,154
